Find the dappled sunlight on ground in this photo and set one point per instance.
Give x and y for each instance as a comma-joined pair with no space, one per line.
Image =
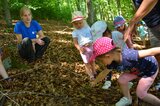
59,78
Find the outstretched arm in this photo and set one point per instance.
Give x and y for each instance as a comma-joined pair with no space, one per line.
145,7
75,41
40,34
19,38
81,49
100,77
149,52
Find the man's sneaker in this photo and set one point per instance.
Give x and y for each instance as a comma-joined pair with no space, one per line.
106,85
130,84
124,102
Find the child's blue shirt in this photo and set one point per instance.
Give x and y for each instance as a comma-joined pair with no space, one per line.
146,66
142,31
29,32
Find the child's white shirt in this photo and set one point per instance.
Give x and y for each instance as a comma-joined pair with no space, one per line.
83,35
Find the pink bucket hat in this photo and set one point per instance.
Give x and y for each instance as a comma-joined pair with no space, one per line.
77,16
101,46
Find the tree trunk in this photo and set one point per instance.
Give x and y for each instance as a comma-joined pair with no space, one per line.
78,3
26,1
7,14
90,12
119,7
110,12
133,5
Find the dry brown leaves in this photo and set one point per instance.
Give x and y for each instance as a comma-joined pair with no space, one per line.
58,79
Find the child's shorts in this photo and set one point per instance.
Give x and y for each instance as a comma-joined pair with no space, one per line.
87,54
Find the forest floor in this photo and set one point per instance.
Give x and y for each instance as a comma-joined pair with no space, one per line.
58,79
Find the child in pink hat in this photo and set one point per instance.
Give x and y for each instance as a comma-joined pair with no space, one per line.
83,39
100,29
141,64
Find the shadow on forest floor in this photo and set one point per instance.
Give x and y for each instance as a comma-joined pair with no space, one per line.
56,80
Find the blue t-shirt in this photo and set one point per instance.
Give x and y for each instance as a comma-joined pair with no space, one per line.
83,35
152,19
146,66
29,32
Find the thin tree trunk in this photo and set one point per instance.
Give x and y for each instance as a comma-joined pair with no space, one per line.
7,14
90,12
69,4
119,7
111,16
26,1
78,3
133,5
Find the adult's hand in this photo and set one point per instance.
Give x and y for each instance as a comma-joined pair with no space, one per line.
145,7
128,32
40,42
93,83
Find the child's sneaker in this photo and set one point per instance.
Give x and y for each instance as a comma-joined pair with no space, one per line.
106,85
130,84
124,102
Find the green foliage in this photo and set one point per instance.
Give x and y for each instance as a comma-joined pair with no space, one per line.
62,9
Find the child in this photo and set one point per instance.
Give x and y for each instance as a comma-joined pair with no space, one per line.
140,63
142,32
83,39
30,47
100,29
121,26
3,72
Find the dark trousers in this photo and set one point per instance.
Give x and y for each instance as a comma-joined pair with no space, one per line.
26,51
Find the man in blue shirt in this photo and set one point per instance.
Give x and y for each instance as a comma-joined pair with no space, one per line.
31,41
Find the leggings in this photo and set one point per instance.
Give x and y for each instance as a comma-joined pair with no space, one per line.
143,85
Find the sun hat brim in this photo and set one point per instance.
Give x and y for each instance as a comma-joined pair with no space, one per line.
77,19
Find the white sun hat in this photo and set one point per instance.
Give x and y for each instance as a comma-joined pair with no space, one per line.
97,29
77,16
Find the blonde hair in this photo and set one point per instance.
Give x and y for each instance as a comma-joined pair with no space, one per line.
79,14
23,9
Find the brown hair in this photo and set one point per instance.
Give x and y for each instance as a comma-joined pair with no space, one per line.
107,33
24,8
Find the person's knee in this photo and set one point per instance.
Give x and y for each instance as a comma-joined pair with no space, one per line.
141,93
122,80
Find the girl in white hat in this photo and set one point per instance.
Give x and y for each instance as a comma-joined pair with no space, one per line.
83,39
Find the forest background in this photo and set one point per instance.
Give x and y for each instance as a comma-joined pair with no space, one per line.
61,9
59,78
